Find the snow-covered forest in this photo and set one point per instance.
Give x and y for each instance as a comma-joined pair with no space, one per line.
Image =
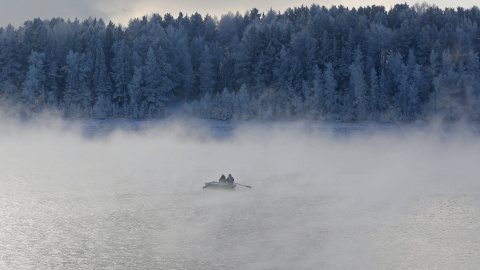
402,64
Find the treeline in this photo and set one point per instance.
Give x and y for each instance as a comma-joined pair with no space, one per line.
311,62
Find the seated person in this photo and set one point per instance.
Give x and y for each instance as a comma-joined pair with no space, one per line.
230,179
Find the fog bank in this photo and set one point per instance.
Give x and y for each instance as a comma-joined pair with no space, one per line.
319,199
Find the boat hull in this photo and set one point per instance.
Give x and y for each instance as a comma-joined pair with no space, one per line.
218,185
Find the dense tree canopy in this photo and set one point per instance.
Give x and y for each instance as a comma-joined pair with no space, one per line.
313,62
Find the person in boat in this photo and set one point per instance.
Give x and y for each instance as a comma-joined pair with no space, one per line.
230,179
222,179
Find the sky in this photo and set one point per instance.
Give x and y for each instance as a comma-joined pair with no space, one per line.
16,12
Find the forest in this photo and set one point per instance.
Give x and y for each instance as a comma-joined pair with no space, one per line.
316,63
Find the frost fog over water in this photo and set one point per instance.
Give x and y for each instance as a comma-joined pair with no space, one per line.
128,195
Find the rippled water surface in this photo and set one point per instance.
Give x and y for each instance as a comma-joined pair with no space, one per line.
134,200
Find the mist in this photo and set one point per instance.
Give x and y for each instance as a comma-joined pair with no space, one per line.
130,195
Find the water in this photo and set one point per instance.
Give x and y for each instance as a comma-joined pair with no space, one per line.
100,199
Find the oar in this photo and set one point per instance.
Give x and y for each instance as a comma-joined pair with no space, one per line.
243,185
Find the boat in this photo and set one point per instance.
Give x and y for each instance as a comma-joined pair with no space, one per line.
219,185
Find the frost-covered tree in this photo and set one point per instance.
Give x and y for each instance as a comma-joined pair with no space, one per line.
415,62
396,85
315,95
52,88
449,95
472,84
415,85
330,89
206,72
263,73
137,97
287,71
101,84
175,53
247,55
374,94
227,105
167,85
33,92
157,85
205,106
77,97
35,36
243,102
10,66
152,83
121,76
358,86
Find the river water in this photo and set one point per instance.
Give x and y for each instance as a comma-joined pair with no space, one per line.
91,197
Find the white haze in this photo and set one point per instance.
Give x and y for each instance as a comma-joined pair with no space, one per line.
382,199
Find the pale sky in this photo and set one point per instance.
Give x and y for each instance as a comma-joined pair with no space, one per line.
16,12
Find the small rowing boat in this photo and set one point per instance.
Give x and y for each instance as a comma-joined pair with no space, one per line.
219,185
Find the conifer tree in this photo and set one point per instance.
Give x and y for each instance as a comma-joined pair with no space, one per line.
33,92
